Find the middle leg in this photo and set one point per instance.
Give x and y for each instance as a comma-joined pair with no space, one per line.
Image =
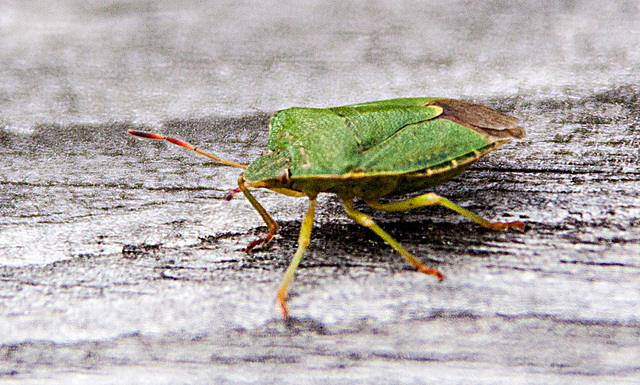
367,222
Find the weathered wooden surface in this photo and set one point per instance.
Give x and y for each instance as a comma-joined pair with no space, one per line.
120,261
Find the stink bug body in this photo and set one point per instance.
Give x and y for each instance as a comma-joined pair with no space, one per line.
370,151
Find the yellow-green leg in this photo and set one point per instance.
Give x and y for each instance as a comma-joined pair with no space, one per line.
432,199
366,221
303,242
271,224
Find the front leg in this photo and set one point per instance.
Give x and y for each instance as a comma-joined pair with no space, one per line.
271,223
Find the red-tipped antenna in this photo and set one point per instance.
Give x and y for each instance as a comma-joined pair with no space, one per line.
186,145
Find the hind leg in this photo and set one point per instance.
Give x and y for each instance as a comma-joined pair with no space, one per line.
434,199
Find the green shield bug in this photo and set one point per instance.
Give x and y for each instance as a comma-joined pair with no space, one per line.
369,151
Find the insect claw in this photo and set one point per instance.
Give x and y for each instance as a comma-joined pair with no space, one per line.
282,299
429,271
506,225
258,242
253,245
517,224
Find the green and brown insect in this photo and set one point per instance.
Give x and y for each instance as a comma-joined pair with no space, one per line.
370,151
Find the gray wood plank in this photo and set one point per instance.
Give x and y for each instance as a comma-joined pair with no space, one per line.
120,259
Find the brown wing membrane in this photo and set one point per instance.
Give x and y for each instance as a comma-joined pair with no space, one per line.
481,118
